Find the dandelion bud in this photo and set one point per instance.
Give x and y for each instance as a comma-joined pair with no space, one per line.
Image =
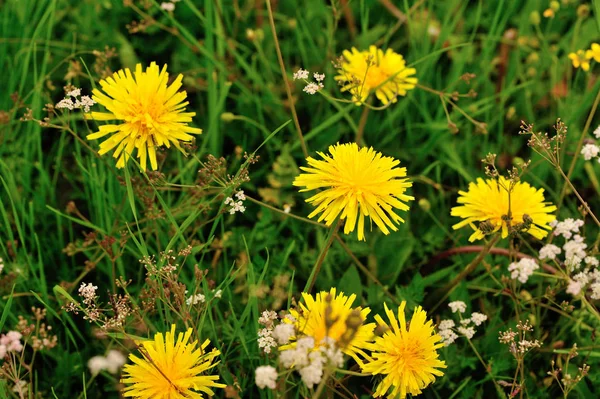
518,161
583,11
354,320
228,117
555,5
425,204
535,18
533,58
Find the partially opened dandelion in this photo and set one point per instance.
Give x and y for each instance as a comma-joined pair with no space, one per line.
487,204
405,355
356,183
150,114
171,368
375,71
328,315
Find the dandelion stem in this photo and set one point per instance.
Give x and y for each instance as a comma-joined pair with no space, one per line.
365,270
285,80
444,292
361,125
317,267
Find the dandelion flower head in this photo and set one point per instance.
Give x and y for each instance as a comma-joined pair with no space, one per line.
488,201
150,113
325,315
375,71
171,368
406,356
356,182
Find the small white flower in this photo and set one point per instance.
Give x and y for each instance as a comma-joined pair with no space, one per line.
311,374
319,77
567,227
267,318
74,93
195,299
574,288
522,269
464,322
287,208
266,341
167,6
218,294
591,261
283,332
301,74
96,364
448,336
595,287
114,361
65,103
458,306
446,324
597,132
467,331
1,265
266,377
549,251
590,151
311,88
240,195
478,318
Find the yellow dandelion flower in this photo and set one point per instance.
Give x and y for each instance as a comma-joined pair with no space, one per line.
579,59
312,320
406,356
357,183
386,74
171,369
489,201
593,52
151,114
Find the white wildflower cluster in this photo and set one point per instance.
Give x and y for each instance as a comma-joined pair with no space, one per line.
266,377
266,342
112,362
1,265
311,87
169,5
10,342
237,204
582,266
458,306
567,227
74,100
307,357
447,329
195,299
523,269
591,150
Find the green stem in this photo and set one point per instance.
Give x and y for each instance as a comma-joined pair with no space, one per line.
444,292
317,267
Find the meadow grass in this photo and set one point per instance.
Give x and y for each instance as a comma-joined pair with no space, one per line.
55,188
